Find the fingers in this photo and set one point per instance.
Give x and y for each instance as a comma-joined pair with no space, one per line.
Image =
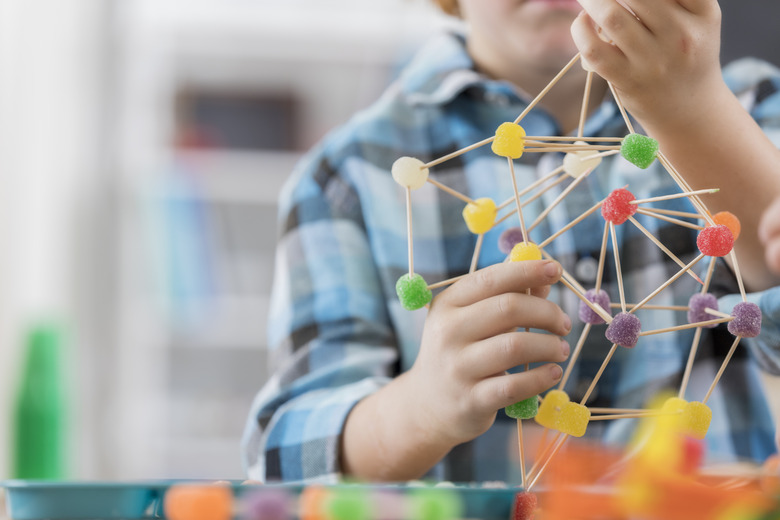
501,391
509,311
510,277
604,57
700,7
618,23
769,233
500,353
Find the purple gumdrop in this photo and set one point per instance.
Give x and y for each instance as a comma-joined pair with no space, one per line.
697,304
267,504
747,320
588,315
624,330
509,238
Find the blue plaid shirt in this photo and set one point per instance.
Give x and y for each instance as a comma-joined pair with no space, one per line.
338,332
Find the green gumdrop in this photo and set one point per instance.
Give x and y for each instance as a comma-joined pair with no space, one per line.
639,150
349,504
434,504
413,292
525,409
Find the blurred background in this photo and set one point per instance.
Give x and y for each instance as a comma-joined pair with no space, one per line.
142,147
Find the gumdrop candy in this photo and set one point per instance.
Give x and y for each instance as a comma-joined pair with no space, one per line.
692,455
696,306
747,320
573,419
349,504
266,504
509,238
409,172
588,315
728,219
551,407
695,420
525,409
576,164
312,501
525,251
509,140
617,208
524,506
640,150
198,502
624,330
413,292
715,240
770,475
674,405
434,504
480,215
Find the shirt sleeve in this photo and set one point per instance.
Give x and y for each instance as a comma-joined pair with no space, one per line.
330,338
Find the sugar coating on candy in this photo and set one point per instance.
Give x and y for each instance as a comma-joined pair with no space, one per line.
434,504
525,506
509,140
640,150
715,240
730,220
525,251
198,502
695,420
266,504
551,407
413,292
573,419
480,215
674,404
616,208
509,238
747,320
576,164
348,504
624,330
409,172
696,306
692,455
588,315
525,409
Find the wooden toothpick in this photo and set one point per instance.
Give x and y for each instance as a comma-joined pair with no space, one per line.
575,355
477,250
722,368
599,373
617,266
585,99
571,225
549,458
517,199
667,283
687,326
457,153
521,449
558,199
452,192
676,196
662,247
689,365
671,220
409,230
596,308
622,109
549,86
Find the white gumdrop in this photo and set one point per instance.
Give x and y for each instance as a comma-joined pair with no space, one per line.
576,164
409,172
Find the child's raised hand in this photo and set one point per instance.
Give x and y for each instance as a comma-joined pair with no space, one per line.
769,233
471,339
663,58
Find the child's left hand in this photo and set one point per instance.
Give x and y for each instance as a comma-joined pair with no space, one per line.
769,233
663,61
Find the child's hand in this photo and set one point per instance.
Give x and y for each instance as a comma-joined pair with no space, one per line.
769,233
663,60
470,341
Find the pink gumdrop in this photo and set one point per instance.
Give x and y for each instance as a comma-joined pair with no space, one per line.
624,330
747,320
715,240
617,208
692,455
525,506
588,315
697,304
509,238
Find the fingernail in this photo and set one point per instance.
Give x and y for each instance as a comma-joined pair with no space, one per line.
566,322
556,372
565,349
552,269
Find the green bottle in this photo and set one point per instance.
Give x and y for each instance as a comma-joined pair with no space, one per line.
39,415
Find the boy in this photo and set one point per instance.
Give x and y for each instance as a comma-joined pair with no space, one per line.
358,393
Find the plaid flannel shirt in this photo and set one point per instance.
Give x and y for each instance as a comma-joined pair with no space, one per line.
338,332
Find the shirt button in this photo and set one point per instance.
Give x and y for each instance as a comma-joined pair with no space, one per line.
586,269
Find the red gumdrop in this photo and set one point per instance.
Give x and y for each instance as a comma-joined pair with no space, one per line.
693,455
525,506
715,240
617,208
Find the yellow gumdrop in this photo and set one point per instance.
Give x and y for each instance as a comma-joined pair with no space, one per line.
409,172
480,215
573,419
550,408
525,251
696,418
509,141
674,404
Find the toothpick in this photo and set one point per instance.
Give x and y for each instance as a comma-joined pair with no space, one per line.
599,373
477,250
621,107
671,220
602,257
528,201
558,199
457,153
667,283
695,200
546,89
543,453
687,326
571,224
575,355
738,275
722,368
596,410
708,278
617,266
585,99
674,213
531,187
521,449
451,191
570,148
631,415
596,308
557,448
517,199
654,307
409,230
446,282
662,247
689,365
573,138
715,312
676,196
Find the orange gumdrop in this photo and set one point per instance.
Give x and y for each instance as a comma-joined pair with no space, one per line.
312,503
198,502
730,220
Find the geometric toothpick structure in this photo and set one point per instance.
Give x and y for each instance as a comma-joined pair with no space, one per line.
582,155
